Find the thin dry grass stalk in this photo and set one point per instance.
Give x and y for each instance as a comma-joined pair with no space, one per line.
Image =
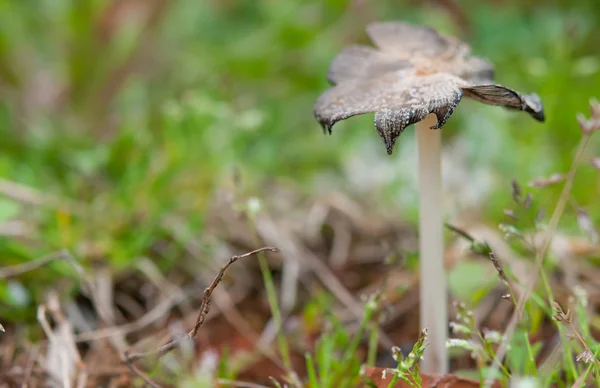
63,360
30,196
18,269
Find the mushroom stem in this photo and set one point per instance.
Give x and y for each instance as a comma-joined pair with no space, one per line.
432,277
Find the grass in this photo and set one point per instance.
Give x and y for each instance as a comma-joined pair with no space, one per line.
113,128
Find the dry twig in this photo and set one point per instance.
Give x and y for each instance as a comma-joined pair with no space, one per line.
128,359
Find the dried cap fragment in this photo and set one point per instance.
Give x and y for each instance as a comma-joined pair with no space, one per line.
413,71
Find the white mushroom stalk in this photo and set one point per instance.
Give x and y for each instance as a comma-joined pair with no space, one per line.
417,76
432,285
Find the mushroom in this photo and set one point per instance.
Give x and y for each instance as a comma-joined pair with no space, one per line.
416,75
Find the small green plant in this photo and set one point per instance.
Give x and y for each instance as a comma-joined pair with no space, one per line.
408,367
335,362
483,343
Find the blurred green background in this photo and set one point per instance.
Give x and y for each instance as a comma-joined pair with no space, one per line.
136,110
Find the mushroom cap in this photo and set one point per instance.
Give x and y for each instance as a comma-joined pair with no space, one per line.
413,71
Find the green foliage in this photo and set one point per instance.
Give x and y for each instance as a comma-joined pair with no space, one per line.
334,362
116,126
408,368
522,355
225,86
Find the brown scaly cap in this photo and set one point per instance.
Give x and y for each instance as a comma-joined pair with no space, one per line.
413,71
